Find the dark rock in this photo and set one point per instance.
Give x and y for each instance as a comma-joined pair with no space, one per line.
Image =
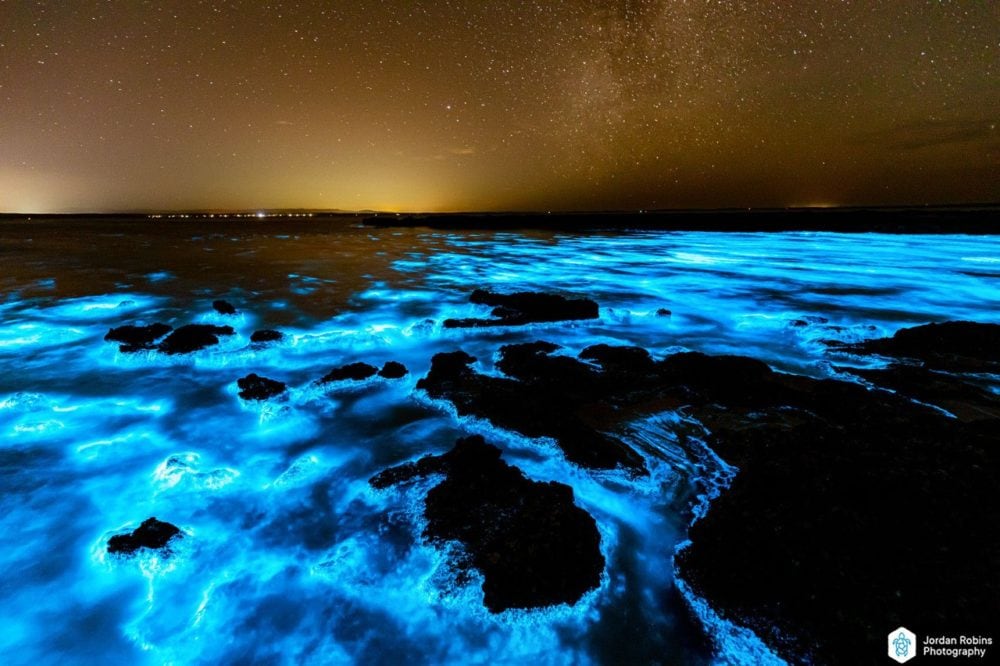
255,387
267,335
663,312
224,307
525,307
533,361
809,320
802,548
554,398
193,337
152,534
137,338
355,371
532,544
621,359
959,346
852,511
958,395
393,370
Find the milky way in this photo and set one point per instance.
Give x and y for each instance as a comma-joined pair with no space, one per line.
463,104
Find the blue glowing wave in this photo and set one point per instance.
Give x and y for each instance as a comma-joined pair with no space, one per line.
288,554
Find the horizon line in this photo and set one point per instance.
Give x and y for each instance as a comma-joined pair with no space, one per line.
263,212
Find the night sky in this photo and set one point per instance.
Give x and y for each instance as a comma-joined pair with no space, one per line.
471,104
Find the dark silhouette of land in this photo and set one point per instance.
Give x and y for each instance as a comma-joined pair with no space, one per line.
959,219
924,220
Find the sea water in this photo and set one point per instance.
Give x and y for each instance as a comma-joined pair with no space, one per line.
288,555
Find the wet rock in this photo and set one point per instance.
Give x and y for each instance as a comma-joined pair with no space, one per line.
553,396
620,359
255,387
532,544
137,338
808,320
852,509
811,546
958,395
193,337
393,370
153,534
352,371
523,308
534,361
959,346
266,335
663,312
224,307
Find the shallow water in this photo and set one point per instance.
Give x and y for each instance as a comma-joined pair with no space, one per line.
289,555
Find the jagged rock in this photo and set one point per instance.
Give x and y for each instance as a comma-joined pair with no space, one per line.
193,337
137,338
619,359
224,307
959,346
532,544
354,371
803,547
266,335
255,387
852,509
393,370
152,533
525,307
553,399
957,395
533,361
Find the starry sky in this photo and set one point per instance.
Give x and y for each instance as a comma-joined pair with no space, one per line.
439,105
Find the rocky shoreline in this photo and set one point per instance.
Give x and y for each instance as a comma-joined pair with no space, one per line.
860,503
855,509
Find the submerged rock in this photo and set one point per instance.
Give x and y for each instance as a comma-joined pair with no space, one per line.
352,371
959,346
153,534
525,307
255,387
532,544
193,337
266,335
393,370
808,320
137,338
224,307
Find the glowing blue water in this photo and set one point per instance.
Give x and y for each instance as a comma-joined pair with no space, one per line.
289,555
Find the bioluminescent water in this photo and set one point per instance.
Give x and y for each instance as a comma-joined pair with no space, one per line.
289,555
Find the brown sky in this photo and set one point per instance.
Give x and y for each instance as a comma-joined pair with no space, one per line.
465,104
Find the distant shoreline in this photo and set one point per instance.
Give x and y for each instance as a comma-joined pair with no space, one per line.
970,219
966,220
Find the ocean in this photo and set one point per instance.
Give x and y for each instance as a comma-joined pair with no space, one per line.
289,555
